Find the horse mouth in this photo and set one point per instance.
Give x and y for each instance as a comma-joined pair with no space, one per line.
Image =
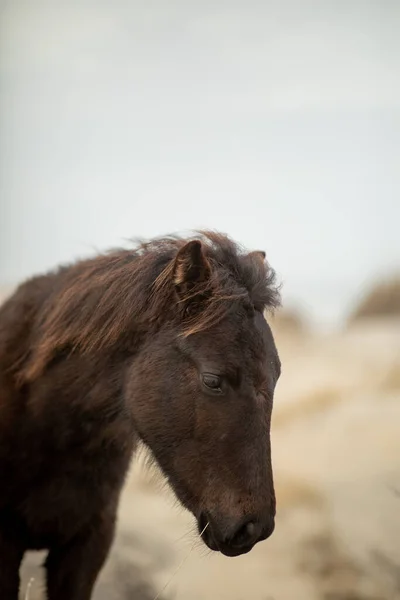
207,536
228,551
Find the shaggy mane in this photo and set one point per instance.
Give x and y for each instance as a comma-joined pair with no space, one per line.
103,302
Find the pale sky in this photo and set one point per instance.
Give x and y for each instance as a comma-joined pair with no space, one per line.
275,122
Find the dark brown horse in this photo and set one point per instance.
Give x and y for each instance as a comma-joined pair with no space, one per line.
166,344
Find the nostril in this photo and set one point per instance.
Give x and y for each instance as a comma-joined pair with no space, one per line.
246,534
250,528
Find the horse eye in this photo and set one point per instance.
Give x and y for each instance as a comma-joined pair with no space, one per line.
212,382
190,310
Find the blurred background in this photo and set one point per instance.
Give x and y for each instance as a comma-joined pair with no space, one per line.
277,122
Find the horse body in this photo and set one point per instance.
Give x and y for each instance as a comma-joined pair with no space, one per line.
147,345
66,441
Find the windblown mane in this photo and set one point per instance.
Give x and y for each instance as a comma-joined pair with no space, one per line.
99,303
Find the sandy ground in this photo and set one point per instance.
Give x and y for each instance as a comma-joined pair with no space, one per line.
336,454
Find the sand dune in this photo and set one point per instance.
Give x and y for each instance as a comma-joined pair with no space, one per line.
336,452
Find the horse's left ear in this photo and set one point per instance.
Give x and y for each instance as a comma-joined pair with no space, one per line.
191,268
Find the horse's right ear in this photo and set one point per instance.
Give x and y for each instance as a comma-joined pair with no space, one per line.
191,269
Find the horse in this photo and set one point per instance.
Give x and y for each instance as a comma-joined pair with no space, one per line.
166,344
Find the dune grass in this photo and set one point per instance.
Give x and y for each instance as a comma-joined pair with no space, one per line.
382,300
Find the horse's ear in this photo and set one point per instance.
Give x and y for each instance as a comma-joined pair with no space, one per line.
191,268
255,260
258,255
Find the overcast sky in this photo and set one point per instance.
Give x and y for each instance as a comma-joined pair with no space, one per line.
276,122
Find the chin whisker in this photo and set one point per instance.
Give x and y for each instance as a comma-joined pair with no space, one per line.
179,566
